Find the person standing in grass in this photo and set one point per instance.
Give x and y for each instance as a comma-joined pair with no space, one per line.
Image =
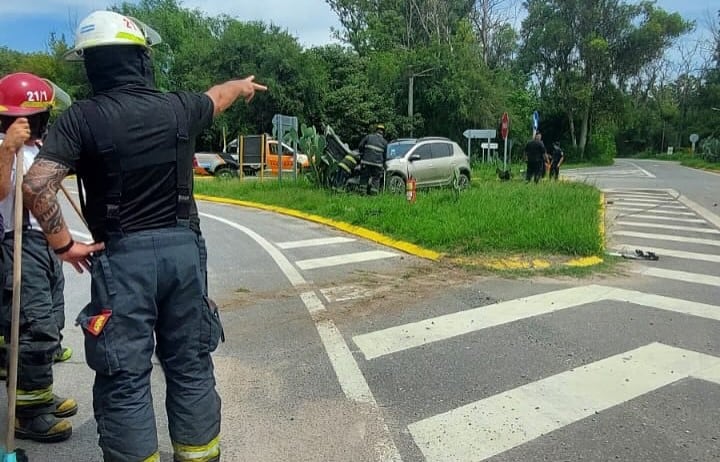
535,155
557,159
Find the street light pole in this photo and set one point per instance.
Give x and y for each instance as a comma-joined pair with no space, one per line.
411,96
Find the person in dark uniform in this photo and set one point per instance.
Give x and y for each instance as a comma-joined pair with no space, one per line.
25,104
558,157
131,146
372,150
535,153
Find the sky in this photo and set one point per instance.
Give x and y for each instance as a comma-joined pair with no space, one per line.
309,20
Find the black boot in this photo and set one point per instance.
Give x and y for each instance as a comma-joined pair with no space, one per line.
43,428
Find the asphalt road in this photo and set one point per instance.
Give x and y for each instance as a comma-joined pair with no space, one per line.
342,350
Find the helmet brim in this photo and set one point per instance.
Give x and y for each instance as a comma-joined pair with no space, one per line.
18,111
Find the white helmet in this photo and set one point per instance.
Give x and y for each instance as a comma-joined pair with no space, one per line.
102,28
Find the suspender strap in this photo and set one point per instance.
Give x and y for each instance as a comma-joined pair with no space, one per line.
101,134
183,156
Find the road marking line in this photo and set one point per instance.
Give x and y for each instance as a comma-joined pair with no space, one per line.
702,211
711,375
664,226
351,379
674,253
312,302
485,428
286,267
313,242
668,237
654,210
648,174
650,192
602,172
644,195
336,260
654,207
679,276
349,292
404,337
652,217
649,201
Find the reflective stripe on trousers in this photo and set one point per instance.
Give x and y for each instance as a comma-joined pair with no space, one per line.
203,453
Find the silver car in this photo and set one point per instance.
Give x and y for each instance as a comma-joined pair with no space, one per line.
431,161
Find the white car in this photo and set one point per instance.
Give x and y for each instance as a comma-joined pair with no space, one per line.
431,161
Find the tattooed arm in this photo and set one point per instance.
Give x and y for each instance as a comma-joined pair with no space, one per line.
40,188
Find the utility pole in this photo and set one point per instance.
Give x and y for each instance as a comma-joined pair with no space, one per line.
411,96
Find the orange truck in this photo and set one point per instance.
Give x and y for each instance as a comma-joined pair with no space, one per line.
258,154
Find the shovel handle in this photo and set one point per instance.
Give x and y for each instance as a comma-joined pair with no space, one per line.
15,319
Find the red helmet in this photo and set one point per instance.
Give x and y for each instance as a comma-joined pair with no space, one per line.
23,94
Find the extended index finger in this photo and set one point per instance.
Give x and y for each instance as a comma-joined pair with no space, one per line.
259,87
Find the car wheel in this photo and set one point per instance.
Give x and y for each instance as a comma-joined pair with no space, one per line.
396,184
225,173
463,181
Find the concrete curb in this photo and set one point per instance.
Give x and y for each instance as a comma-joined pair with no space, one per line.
374,236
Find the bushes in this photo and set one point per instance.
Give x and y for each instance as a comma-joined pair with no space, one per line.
710,149
602,148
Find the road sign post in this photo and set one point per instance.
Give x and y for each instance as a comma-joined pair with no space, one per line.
479,134
694,139
504,130
535,122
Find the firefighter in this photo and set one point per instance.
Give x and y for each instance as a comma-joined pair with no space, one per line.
558,157
25,103
132,146
535,155
372,150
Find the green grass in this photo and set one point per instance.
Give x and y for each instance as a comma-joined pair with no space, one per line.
696,162
491,217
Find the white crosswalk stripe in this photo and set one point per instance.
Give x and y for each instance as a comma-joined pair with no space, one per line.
709,257
345,259
404,337
644,200
669,205
314,242
485,428
664,226
669,237
655,211
661,218
683,276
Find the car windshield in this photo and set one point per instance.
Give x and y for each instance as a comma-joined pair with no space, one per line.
398,149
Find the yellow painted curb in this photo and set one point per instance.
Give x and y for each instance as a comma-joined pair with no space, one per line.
602,219
406,247
584,262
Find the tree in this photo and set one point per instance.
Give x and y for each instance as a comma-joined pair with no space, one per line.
583,49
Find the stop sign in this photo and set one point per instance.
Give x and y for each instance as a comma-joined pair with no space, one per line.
505,126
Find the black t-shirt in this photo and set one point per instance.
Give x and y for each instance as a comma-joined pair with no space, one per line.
535,151
142,122
557,155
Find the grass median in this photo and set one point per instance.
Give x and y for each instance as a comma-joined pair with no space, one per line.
492,217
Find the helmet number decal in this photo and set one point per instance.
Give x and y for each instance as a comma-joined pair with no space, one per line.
37,96
130,25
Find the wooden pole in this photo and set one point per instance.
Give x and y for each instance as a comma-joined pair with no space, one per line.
15,320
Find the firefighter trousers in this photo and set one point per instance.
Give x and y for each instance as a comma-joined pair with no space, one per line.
42,316
148,286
